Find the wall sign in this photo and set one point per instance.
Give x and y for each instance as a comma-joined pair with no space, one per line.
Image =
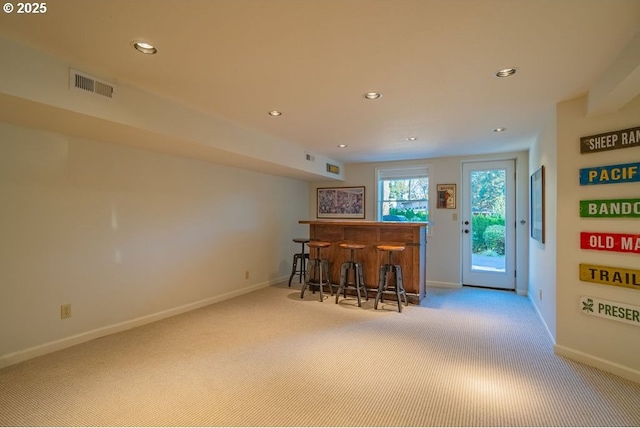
616,242
629,278
623,173
621,312
610,141
610,208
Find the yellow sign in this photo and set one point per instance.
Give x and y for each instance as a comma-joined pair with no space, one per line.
620,277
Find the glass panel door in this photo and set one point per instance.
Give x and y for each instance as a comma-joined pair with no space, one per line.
488,224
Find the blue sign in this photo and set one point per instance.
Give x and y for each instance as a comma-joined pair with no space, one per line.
623,173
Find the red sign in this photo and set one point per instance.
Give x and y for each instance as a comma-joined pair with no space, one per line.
617,242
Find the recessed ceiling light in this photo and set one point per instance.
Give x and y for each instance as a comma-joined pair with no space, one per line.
412,138
342,146
275,113
372,95
499,129
145,48
506,72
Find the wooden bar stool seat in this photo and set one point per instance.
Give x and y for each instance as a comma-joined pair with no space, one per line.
358,278
301,257
317,275
386,270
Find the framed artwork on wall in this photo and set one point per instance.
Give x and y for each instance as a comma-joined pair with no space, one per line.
537,205
341,202
446,196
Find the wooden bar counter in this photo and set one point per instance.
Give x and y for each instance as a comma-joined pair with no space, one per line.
371,234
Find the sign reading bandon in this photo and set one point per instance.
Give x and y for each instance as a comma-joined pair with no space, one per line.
612,310
620,277
616,242
623,173
610,208
610,141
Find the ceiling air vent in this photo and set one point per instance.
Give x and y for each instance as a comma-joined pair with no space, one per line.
88,84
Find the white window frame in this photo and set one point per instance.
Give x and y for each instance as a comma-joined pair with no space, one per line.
399,172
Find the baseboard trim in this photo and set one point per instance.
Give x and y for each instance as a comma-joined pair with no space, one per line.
599,363
546,327
439,284
57,345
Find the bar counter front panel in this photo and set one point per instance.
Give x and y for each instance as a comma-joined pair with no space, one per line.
371,234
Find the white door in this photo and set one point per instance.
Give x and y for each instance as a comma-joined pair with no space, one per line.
488,224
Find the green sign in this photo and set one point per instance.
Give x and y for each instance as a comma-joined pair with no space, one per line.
615,311
610,208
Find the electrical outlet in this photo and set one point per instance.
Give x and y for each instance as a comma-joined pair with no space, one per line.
65,311
246,275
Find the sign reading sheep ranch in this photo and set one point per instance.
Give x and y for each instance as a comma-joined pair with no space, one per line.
610,141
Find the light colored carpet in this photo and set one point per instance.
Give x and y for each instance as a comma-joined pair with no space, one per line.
469,357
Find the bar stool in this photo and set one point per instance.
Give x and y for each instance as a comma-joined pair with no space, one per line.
358,278
317,274
385,271
302,256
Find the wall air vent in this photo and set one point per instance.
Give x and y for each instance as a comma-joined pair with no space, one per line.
334,169
88,84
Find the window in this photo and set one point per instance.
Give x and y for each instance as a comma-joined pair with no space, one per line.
403,194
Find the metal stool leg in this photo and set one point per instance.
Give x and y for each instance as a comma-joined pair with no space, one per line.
344,277
327,280
357,271
294,268
361,279
401,285
382,285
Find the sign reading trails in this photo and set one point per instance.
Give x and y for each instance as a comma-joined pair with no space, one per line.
629,278
616,242
610,141
610,208
623,173
622,312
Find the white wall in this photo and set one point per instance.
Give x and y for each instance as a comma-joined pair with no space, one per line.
542,256
127,236
444,249
611,345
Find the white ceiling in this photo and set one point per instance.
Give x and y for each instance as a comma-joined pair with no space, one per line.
433,60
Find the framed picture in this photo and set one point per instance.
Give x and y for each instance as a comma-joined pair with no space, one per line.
537,205
446,196
341,202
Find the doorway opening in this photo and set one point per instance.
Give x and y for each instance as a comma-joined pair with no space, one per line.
488,207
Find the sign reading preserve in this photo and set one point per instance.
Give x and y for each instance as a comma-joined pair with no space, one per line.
610,141
612,310
616,242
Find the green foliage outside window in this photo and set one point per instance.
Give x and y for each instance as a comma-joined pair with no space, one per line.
493,240
410,214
